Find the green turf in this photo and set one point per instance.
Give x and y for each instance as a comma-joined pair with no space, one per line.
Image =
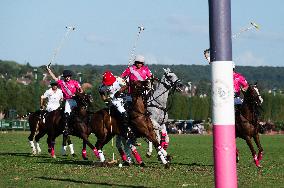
192,165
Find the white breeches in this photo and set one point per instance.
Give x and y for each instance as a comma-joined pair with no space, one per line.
51,107
119,104
69,105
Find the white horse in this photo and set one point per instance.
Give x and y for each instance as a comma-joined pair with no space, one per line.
157,106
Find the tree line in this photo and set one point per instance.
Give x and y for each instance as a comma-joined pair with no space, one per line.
24,98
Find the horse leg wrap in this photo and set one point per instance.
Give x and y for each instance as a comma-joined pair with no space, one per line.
52,152
165,146
84,153
63,150
96,153
256,161
163,151
38,150
122,154
71,147
33,147
137,156
260,155
101,155
150,149
162,157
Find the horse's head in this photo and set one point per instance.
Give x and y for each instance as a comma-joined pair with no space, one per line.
139,88
252,94
83,99
171,81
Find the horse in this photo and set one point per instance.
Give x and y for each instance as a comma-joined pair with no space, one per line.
157,106
140,121
55,123
38,130
105,124
246,121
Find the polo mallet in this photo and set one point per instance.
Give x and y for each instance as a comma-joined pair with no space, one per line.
113,160
56,51
252,26
140,29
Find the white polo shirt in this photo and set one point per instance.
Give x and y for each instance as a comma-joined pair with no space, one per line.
53,99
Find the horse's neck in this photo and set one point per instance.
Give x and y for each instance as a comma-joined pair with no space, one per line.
138,105
160,95
247,110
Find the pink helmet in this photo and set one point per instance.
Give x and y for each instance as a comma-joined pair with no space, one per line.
108,78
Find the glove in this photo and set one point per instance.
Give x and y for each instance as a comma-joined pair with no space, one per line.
107,101
117,94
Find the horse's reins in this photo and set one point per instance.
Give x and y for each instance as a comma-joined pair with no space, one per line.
172,86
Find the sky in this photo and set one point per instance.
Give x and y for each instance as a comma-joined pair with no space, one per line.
176,31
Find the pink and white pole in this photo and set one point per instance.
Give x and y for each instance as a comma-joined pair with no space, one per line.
223,115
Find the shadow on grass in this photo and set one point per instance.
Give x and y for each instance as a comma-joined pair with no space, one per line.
87,182
23,155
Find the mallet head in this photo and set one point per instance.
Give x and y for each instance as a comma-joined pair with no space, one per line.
255,25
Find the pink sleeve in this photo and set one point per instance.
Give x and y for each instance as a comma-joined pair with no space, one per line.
149,74
125,73
243,82
77,85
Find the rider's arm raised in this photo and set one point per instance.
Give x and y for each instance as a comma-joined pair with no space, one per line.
51,74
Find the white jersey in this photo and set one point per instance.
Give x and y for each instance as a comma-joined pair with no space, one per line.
109,91
53,99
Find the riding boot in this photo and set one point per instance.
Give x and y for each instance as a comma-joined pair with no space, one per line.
238,109
66,127
124,127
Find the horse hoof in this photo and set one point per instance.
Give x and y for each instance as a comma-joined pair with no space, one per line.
167,166
74,155
169,158
148,154
126,163
53,156
142,164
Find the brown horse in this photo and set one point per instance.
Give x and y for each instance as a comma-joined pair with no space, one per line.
247,125
38,130
106,123
55,123
140,121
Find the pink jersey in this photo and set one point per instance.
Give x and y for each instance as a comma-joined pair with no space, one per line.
72,86
239,82
137,74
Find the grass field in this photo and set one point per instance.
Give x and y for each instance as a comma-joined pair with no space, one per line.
192,165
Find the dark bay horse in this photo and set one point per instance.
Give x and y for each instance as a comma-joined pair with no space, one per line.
106,123
247,125
55,122
38,130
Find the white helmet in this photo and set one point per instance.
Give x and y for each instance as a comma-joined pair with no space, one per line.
139,58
